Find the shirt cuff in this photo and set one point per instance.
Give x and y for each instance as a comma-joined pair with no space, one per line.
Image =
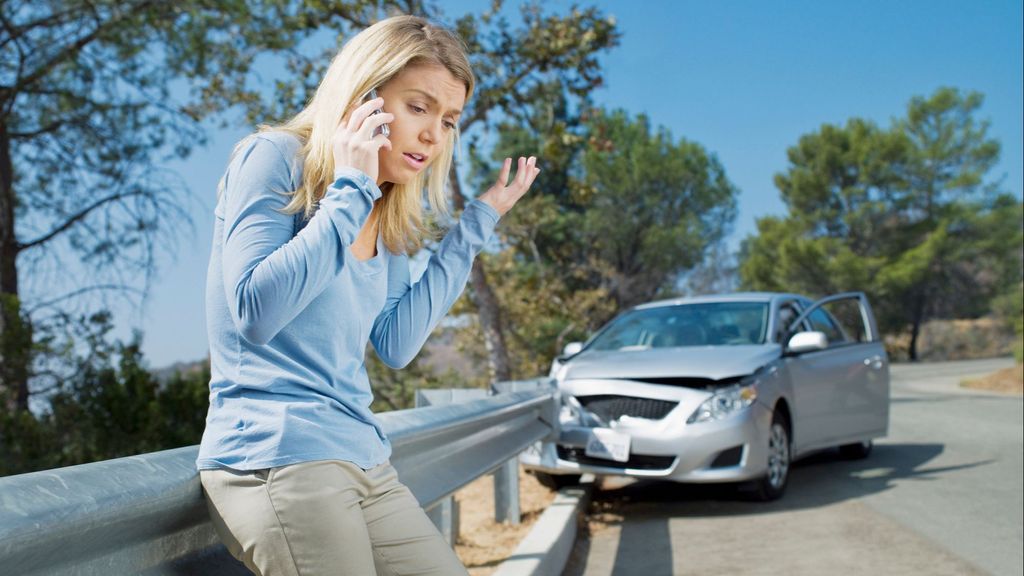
484,211
358,178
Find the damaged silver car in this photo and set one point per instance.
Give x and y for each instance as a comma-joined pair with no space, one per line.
728,388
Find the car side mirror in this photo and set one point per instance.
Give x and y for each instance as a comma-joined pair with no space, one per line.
572,349
807,342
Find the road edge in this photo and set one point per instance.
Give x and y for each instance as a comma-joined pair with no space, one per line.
545,550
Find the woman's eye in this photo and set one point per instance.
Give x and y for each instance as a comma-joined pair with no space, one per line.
416,109
449,125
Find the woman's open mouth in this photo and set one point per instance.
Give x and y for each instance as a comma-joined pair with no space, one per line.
417,161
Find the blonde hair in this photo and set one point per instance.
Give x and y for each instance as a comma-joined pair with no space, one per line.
369,60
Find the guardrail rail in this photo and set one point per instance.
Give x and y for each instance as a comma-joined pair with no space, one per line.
146,515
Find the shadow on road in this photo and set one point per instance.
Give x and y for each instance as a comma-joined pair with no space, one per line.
641,509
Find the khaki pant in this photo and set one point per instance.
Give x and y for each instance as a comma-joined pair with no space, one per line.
325,517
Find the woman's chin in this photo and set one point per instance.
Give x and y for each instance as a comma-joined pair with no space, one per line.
400,178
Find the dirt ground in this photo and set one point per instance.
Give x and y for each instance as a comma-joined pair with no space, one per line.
1008,380
483,543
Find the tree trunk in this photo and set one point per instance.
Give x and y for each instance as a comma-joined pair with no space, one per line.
915,329
488,309
15,335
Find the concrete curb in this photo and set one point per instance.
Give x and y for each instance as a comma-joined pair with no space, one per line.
546,549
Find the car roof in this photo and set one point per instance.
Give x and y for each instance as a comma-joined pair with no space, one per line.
731,297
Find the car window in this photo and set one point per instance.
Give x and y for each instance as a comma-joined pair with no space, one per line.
822,321
787,313
696,324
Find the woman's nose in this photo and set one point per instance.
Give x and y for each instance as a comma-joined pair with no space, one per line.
431,132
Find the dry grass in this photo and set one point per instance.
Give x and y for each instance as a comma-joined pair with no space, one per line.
483,543
1008,381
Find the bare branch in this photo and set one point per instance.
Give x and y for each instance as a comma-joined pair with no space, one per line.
74,48
76,218
51,127
81,291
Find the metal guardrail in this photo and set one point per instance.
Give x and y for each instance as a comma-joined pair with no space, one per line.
146,515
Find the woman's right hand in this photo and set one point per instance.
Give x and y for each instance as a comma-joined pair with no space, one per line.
354,144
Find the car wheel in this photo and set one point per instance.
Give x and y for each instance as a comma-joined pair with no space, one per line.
773,484
557,481
856,451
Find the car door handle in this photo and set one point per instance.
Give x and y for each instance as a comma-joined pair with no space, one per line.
874,362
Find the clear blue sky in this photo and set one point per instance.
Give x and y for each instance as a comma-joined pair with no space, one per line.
744,79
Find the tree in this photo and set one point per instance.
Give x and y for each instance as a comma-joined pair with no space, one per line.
86,105
88,114
623,212
657,205
547,291
838,186
512,66
907,214
107,406
953,211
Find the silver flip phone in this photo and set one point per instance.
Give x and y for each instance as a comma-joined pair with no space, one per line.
383,128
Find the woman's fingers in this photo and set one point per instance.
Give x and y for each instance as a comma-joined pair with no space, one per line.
370,125
531,176
362,111
527,171
520,171
381,141
506,167
524,175
504,193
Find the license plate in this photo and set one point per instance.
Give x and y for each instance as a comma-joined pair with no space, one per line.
608,444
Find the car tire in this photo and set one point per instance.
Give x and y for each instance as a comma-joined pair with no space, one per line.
557,481
773,484
856,451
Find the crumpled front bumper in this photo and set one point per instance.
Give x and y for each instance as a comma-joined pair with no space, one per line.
727,450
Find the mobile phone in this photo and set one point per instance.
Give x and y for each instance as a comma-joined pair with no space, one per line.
383,128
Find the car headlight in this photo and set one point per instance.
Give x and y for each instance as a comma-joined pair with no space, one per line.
572,412
569,415
725,402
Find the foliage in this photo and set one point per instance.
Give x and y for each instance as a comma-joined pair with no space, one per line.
906,214
657,204
109,407
95,96
396,389
513,63
1009,308
617,214
517,67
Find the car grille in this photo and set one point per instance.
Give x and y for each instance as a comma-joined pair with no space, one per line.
613,407
636,461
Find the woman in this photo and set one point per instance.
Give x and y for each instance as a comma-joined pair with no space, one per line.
314,223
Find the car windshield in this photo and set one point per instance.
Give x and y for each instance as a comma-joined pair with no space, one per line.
707,324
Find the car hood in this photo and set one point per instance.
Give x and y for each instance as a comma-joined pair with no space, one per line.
711,362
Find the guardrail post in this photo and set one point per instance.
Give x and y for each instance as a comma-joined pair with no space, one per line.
506,478
506,492
445,514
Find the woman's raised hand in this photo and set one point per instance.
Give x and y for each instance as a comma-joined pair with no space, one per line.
501,196
354,143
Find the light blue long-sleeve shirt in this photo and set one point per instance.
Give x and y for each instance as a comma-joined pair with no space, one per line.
290,310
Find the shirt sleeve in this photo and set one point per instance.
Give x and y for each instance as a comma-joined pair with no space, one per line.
412,311
270,273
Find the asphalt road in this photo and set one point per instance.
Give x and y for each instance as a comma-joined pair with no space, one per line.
942,494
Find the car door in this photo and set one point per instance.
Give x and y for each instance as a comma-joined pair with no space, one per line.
841,392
